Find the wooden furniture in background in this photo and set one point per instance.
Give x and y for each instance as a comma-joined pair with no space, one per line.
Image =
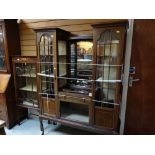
2,130
25,82
9,45
4,80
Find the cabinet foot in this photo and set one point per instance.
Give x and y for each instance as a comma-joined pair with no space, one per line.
41,126
49,122
54,123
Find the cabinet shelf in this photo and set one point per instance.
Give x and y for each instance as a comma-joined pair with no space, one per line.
28,102
84,60
46,75
108,43
28,75
100,79
29,88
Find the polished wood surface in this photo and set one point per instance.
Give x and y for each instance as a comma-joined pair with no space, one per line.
104,117
49,107
140,111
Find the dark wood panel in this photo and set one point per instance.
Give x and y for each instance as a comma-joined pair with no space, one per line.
104,117
49,107
140,113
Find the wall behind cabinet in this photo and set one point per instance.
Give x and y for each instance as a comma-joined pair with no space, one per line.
75,26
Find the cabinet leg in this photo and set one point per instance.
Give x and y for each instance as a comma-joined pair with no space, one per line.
41,126
49,122
2,131
54,123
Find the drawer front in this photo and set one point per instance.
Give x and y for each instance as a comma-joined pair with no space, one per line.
49,107
75,99
104,117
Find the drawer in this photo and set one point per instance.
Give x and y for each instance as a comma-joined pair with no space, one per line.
104,117
74,98
49,107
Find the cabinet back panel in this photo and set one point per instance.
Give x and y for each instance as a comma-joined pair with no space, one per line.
75,26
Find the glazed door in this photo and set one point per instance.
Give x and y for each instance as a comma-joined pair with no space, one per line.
109,45
46,71
140,110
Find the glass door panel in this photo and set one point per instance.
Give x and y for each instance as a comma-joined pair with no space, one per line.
26,84
107,69
46,64
2,51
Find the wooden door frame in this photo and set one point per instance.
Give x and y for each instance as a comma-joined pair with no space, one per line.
126,74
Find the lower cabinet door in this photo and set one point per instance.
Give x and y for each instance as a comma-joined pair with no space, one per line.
49,107
104,117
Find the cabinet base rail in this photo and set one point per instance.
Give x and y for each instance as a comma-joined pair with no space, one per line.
76,125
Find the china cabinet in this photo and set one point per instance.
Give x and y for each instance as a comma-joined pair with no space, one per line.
9,45
25,81
108,69
79,79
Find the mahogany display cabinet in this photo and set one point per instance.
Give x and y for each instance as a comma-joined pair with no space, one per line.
80,78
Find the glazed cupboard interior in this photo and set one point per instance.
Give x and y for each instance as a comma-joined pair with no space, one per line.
67,71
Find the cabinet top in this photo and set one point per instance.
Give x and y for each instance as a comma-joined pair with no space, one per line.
102,25
49,30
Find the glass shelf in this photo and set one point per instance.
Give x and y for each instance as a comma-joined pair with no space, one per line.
46,75
29,88
26,81
28,75
28,102
100,79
